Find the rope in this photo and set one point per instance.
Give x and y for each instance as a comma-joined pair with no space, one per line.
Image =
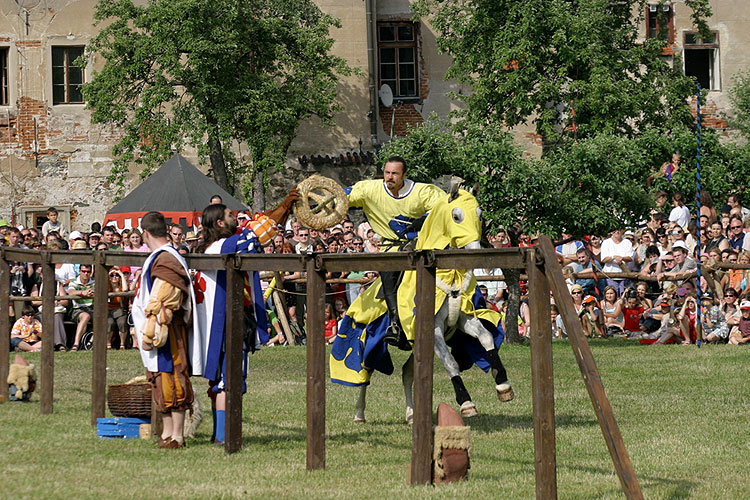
699,324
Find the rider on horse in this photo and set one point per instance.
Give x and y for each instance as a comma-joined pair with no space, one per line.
395,208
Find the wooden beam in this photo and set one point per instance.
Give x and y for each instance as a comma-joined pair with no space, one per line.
345,262
590,372
99,370
542,381
316,367
506,258
234,339
264,262
424,342
23,255
4,325
49,290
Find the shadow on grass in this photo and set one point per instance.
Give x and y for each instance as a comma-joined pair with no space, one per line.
484,423
677,488
370,433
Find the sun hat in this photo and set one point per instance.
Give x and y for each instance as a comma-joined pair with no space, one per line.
4,223
80,245
191,236
680,244
75,235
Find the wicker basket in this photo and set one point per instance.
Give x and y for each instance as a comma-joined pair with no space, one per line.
130,400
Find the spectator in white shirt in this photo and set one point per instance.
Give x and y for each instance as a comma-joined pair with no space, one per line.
680,213
617,252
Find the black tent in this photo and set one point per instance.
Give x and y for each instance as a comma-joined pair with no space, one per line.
177,189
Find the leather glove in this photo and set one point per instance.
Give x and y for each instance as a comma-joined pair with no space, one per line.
281,212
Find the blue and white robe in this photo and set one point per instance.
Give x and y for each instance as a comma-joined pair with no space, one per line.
211,299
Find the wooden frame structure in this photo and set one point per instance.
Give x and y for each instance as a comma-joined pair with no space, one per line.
540,263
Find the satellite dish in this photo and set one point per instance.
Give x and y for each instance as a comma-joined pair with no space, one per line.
386,95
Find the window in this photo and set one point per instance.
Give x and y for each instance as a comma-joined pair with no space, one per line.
397,45
67,78
4,98
701,59
661,21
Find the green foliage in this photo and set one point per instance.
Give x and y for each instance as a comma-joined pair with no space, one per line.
540,60
588,187
534,60
717,175
739,97
211,75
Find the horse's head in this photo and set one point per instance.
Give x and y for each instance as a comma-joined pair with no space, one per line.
455,223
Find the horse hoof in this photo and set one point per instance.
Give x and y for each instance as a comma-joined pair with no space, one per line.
504,392
469,409
360,420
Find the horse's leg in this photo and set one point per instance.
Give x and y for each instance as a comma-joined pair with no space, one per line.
468,408
359,414
473,326
407,378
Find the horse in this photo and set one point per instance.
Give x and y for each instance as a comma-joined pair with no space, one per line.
359,348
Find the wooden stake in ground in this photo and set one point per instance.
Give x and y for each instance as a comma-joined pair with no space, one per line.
281,311
590,372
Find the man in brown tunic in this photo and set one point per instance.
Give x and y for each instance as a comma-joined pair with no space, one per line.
162,315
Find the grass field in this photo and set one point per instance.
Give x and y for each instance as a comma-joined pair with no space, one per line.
684,414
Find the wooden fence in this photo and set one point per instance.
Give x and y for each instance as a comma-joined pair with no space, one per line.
539,262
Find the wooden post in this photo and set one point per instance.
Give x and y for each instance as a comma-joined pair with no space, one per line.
49,290
542,381
99,370
424,342
4,325
234,338
281,311
157,425
590,372
316,367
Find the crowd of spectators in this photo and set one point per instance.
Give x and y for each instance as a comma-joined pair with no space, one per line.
73,317
657,299
643,283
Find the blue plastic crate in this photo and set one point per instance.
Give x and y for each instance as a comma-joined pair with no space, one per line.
122,428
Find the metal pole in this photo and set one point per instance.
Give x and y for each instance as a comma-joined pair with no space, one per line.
698,323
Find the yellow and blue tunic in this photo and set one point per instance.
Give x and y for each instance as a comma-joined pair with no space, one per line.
391,215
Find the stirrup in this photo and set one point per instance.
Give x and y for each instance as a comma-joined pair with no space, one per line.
393,334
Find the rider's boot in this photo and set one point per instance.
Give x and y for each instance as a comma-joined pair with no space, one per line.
394,334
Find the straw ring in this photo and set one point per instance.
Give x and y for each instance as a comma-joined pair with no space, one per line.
331,202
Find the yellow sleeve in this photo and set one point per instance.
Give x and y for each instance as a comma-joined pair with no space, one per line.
359,194
163,294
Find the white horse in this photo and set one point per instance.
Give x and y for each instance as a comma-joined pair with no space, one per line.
453,224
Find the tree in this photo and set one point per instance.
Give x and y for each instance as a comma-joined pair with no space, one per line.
222,76
591,188
539,59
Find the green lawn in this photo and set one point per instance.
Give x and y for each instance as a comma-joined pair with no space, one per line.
684,414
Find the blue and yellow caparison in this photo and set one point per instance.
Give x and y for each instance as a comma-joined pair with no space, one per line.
359,348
